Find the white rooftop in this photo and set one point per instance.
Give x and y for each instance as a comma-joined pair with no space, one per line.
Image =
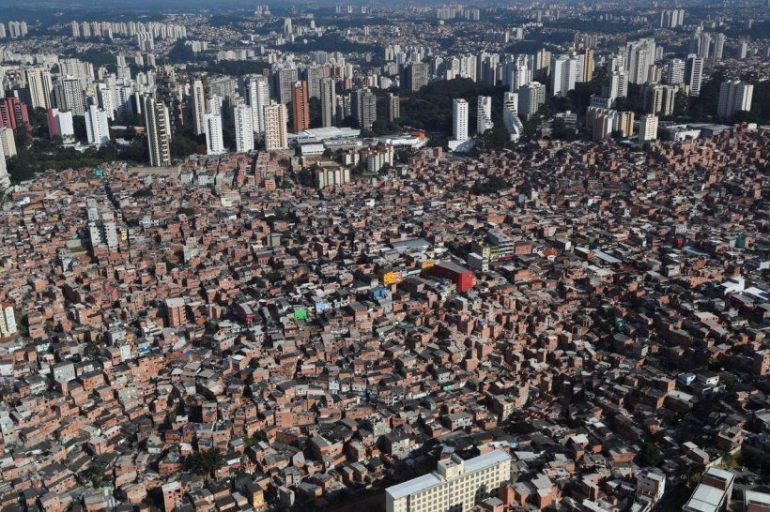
421,483
705,499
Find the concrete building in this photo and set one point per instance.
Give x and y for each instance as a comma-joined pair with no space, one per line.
244,128
61,124
8,142
660,99
564,74
511,115
460,120
199,107
531,97
719,46
603,122
300,107
713,493
394,107
755,501
484,114
651,483
456,485
97,128
158,127
7,317
68,93
648,127
214,142
257,93
40,87
328,99
416,75
364,104
639,58
276,137
693,74
674,74
283,79
5,179
734,96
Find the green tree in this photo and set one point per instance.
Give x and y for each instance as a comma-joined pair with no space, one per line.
695,474
207,462
649,455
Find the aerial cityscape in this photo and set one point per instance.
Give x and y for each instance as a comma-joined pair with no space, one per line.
387,256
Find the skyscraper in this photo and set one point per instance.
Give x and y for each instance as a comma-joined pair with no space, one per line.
284,78
588,65
199,107
648,128
365,104
674,74
734,96
8,142
564,71
314,76
40,87
660,99
484,114
97,129
693,74
531,96
68,93
460,120
719,46
328,98
416,75
276,137
244,128
5,179
394,107
300,108
511,115
158,127
257,93
542,62
744,49
640,55
214,142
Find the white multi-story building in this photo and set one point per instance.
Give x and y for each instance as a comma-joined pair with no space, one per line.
511,115
328,98
158,127
214,142
456,485
640,56
651,483
460,120
257,94
97,128
734,96
531,96
564,74
693,74
199,107
40,87
8,142
244,129
5,179
7,320
484,115
648,127
276,135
